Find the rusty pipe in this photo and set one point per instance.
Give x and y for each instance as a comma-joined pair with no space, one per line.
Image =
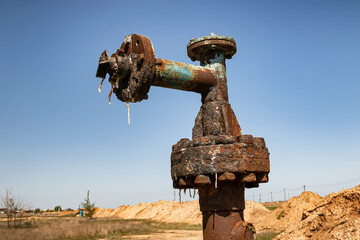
134,68
222,210
182,76
217,147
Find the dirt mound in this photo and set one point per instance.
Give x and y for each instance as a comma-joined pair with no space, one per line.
255,211
162,211
337,216
174,212
289,213
68,213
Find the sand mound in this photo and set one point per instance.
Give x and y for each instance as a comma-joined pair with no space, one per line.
174,212
255,211
65,213
337,216
161,211
289,213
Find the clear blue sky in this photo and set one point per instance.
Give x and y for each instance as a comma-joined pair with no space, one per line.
294,81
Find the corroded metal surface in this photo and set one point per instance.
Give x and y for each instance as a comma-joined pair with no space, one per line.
219,161
222,209
245,157
228,225
131,68
199,47
182,76
135,86
215,118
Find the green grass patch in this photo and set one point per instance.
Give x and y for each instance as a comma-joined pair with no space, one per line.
266,236
271,208
280,215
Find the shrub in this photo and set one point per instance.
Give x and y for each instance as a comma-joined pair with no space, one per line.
57,209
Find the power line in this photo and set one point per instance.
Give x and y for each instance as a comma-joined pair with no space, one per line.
273,195
336,184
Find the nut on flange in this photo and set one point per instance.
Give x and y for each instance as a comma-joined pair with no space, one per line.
224,158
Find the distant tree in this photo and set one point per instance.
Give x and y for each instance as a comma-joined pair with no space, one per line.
89,207
37,210
57,209
15,207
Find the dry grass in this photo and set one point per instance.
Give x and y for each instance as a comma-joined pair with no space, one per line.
75,228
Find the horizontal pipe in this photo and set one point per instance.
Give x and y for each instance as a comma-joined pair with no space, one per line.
182,76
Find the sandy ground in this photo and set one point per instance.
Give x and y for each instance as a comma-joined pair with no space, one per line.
307,216
161,211
175,212
290,212
170,234
336,216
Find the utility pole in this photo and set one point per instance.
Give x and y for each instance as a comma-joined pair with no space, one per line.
271,197
260,197
304,188
284,195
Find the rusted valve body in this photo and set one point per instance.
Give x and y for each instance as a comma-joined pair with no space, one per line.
218,161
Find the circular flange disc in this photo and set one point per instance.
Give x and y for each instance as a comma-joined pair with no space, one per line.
198,47
135,87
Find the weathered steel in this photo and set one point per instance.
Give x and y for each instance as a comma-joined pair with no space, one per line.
182,76
211,155
218,161
226,225
222,209
131,68
198,48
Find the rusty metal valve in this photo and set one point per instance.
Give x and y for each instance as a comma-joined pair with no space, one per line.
219,161
130,68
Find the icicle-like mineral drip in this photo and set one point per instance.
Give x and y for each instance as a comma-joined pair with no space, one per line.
111,91
101,85
180,196
215,179
190,193
194,193
128,107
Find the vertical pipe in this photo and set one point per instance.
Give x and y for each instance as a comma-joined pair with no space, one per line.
222,210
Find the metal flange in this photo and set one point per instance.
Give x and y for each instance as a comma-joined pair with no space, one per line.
131,68
204,160
136,85
198,48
